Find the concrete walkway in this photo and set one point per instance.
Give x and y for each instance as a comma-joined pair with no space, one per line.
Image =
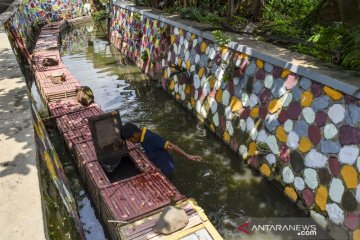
21,215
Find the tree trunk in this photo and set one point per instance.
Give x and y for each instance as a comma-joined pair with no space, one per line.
255,9
97,4
230,11
326,12
349,12
237,4
155,3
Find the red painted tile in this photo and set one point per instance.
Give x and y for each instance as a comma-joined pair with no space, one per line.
132,198
77,119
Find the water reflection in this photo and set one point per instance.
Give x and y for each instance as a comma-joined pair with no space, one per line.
222,184
93,229
91,224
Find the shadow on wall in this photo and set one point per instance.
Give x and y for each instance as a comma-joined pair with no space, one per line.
16,134
4,4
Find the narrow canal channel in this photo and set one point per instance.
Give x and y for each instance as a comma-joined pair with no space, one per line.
222,185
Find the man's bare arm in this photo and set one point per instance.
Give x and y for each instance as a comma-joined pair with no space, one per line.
174,148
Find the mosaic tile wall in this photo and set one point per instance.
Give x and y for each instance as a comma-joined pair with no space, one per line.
53,9
288,127
21,25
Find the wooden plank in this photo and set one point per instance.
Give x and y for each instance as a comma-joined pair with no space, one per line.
142,227
199,226
191,237
185,232
149,234
203,234
211,229
194,220
137,228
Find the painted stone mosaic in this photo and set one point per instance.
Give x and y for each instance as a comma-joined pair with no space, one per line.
268,114
19,26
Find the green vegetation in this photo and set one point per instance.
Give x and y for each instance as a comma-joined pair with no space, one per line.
99,16
279,10
181,73
220,38
263,148
60,226
326,29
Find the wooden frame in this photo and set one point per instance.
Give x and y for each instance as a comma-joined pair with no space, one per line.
117,144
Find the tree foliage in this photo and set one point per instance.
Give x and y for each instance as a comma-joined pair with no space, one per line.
326,29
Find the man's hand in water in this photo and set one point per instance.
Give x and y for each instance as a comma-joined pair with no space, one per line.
194,158
172,147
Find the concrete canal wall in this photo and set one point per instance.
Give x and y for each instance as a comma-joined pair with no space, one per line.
250,93
21,23
19,176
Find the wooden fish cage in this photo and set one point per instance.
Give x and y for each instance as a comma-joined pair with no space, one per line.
132,191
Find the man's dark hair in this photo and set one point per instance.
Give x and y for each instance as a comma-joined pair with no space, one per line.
128,130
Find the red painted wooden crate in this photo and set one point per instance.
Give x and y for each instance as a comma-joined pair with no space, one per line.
48,84
76,136
40,68
54,25
133,198
95,179
38,56
47,42
44,82
50,36
129,200
84,153
49,31
141,230
64,106
77,119
52,91
140,160
56,93
45,76
130,145
61,107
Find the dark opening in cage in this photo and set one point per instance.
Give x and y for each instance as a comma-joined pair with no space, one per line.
111,149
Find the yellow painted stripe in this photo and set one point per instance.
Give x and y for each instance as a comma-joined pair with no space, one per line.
205,224
166,145
198,210
213,232
143,134
186,232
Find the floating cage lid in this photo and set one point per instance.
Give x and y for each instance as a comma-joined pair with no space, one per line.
109,146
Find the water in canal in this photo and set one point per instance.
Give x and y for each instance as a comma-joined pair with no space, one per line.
222,185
